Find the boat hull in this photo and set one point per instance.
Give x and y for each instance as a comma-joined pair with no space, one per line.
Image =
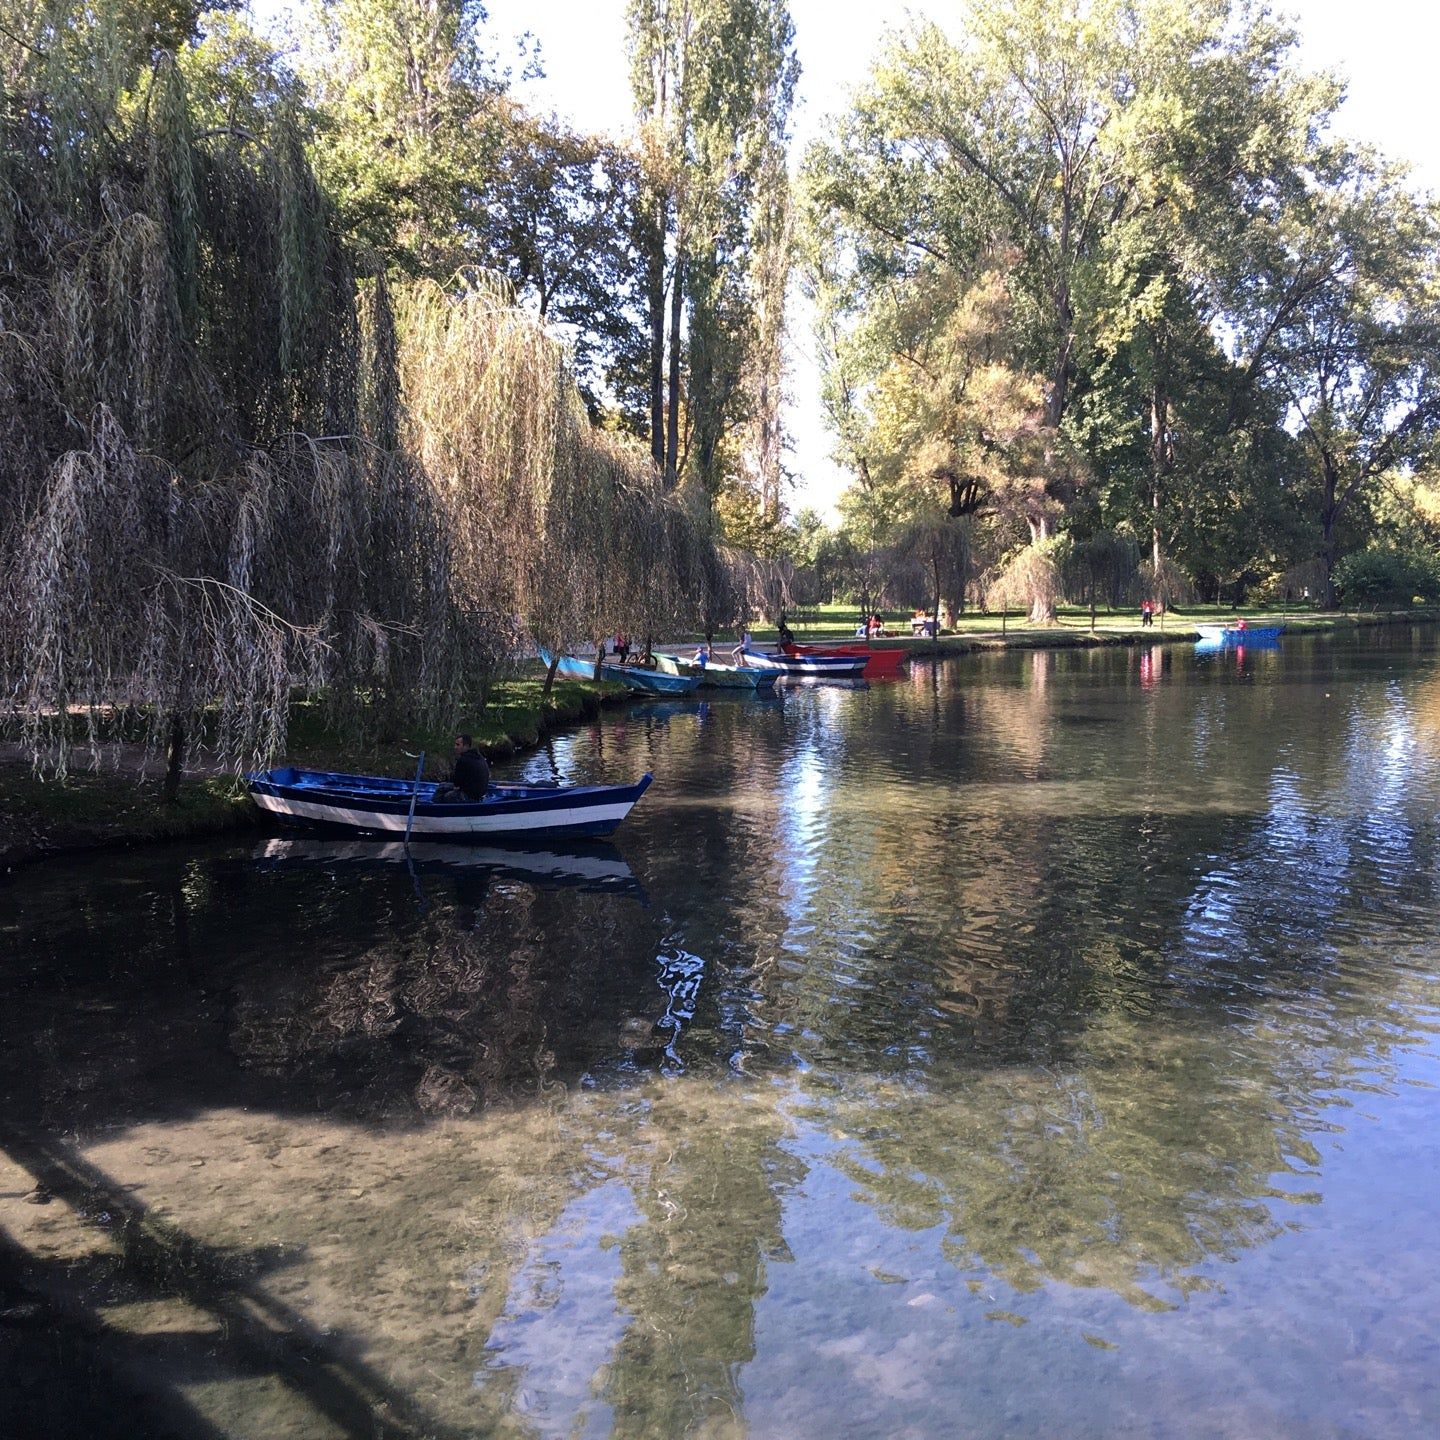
839,667
644,682
880,663
326,802
716,676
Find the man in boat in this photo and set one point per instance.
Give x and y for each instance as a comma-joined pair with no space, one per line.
785,633
471,777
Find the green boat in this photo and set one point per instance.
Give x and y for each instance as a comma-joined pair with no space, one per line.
716,675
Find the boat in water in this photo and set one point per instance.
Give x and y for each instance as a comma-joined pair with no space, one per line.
1240,634
334,803
633,677
715,674
881,662
836,667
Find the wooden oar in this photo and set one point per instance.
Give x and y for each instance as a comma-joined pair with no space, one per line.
414,795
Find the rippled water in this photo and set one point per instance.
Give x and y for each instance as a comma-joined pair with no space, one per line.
1044,1043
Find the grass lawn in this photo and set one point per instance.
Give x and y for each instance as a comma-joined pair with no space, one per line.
39,817
827,622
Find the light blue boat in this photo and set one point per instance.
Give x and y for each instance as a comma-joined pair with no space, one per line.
646,682
1240,634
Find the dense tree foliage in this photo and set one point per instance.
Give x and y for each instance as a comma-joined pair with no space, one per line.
714,81
1107,268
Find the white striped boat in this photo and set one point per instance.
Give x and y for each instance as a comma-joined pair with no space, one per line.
321,800
837,667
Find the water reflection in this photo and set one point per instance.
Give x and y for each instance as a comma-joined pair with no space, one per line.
984,1034
595,865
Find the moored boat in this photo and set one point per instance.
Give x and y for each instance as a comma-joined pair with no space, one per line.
844,667
335,803
715,674
881,662
633,677
1240,634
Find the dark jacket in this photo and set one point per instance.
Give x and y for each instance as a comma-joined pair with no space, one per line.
472,774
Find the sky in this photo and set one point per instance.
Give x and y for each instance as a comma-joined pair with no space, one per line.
1384,49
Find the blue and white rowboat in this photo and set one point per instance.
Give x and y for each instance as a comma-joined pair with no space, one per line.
648,682
1236,635
838,667
321,800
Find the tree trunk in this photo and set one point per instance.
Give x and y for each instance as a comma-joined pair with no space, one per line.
1329,515
655,285
672,437
174,761
935,566
599,659
550,675
1162,458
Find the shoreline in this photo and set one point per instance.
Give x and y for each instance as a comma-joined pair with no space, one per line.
43,820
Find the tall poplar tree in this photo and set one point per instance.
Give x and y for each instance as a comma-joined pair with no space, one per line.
713,81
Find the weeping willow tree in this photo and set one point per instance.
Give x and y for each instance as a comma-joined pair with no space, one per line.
234,468
1030,578
565,532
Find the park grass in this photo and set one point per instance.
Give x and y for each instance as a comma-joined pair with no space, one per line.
516,717
1072,623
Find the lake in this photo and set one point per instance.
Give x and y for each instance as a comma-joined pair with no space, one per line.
1043,1044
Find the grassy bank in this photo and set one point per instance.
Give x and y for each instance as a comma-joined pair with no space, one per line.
40,818
991,630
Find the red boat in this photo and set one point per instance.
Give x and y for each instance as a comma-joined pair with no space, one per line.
880,664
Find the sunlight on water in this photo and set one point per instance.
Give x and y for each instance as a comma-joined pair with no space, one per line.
1042,1043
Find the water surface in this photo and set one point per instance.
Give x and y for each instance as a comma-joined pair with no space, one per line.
1042,1044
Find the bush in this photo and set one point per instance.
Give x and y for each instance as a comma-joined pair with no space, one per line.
1386,576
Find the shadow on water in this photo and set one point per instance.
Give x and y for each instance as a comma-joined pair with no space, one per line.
149,1259
1031,977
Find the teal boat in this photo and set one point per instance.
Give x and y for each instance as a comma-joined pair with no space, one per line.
645,682
714,675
